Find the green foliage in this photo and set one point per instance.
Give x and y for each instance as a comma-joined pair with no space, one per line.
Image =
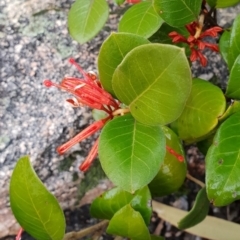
198,213
172,172
141,19
204,106
150,108
178,13
130,164
106,205
86,19
111,54
35,208
223,163
143,78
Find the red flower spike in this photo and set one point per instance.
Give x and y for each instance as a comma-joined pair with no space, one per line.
133,1
82,135
19,234
202,58
179,157
213,47
194,55
91,156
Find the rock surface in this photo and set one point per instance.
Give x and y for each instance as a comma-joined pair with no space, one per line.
34,46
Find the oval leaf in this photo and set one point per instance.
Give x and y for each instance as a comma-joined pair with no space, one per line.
125,158
233,87
178,13
140,19
86,19
34,207
112,52
122,224
198,213
172,172
224,45
232,108
146,82
228,3
234,43
223,163
106,205
204,106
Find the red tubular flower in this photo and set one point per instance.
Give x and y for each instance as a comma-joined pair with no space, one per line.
88,91
195,41
133,1
91,156
19,234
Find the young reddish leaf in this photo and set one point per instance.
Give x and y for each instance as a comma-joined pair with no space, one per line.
233,87
223,163
125,157
128,223
86,19
146,83
178,13
204,106
140,19
106,205
198,213
34,207
172,172
111,54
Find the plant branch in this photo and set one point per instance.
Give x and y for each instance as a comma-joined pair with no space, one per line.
198,182
86,231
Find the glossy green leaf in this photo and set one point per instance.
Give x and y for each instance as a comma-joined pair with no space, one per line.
212,3
112,52
224,45
198,213
223,163
125,158
128,223
34,207
205,144
203,108
178,13
146,82
140,19
232,108
106,205
86,19
234,43
226,3
233,87
172,172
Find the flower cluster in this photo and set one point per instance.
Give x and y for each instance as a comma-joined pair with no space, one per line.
195,40
88,92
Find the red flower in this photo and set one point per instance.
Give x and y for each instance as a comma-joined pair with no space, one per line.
195,41
133,1
88,91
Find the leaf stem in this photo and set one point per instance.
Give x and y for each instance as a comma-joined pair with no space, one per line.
190,177
86,231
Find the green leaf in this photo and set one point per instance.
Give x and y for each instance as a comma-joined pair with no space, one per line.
172,173
125,158
112,52
203,108
224,45
205,144
128,223
212,3
178,13
223,163
106,205
232,108
154,237
233,87
198,213
119,2
86,19
140,19
146,82
34,207
224,3
234,43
